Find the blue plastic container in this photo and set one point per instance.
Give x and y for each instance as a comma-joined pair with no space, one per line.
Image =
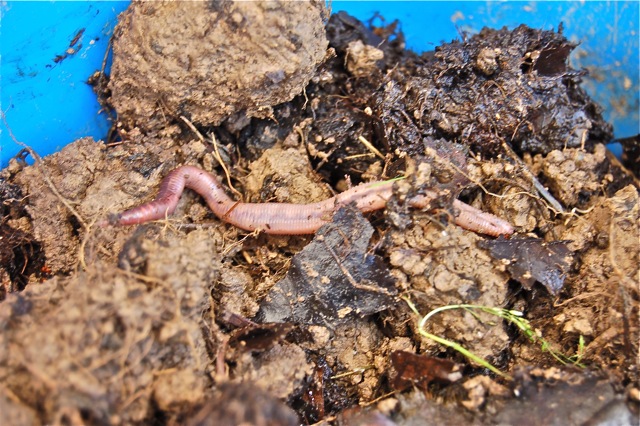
49,50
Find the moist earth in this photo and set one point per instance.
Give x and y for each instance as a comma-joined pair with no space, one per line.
178,322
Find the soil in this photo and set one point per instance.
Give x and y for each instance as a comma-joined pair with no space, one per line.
190,320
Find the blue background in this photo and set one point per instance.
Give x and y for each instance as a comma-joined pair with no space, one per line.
48,105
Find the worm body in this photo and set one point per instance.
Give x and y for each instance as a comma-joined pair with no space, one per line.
287,218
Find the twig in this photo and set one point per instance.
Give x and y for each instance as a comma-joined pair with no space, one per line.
217,154
48,181
370,146
536,183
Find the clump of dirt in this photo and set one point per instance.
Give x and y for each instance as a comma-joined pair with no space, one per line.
507,85
165,322
607,239
284,176
574,175
230,58
445,267
100,346
497,87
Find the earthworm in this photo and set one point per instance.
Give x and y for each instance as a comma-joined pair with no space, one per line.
287,218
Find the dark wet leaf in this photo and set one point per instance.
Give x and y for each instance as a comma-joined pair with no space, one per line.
258,337
420,370
530,260
552,59
311,400
333,278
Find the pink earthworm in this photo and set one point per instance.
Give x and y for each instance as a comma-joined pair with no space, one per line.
287,218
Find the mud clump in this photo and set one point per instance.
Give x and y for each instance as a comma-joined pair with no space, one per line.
498,86
86,348
208,61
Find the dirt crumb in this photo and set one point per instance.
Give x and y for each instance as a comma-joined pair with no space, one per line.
278,370
178,388
479,387
284,175
361,58
574,175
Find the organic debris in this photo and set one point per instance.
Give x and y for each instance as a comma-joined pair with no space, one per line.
21,256
631,154
258,337
332,278
420,370
530,260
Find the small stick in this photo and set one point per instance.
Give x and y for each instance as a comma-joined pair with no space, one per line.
44,174
287,218
370,146
216,151
544,193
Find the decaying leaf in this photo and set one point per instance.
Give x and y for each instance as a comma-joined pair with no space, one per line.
530,260
420,370
333,278
258,337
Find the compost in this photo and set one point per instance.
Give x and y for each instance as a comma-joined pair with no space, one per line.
189,320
